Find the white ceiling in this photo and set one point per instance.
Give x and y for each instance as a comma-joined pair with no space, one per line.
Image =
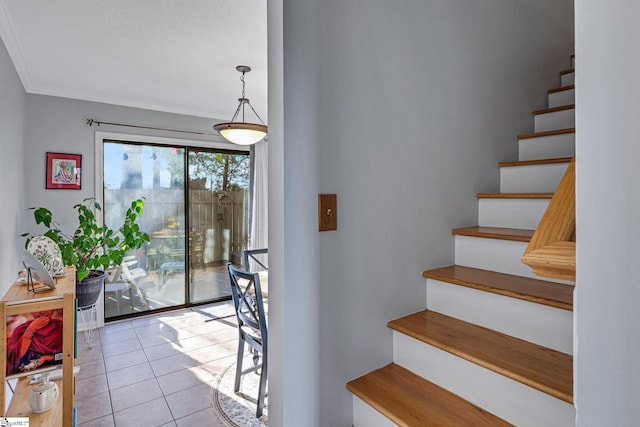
169,55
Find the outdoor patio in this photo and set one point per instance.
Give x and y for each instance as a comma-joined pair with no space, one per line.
167,290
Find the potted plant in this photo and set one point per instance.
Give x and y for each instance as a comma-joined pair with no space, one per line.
92,248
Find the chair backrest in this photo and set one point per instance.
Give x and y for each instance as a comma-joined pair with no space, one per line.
113,274
248,303
252,258
130,271
124,274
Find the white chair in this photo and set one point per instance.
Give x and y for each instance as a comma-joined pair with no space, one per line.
131,274
116,289
123,279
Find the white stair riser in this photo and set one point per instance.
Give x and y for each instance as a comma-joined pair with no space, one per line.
547,147
568,79
503,397
532,178
503,256
365,416
565,97
553,121
547,326
511,213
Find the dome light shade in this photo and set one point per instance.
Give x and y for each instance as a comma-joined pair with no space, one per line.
241,132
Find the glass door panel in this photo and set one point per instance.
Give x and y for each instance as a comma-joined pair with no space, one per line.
218,220
153,277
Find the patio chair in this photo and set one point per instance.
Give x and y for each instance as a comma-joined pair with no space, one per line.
252,327
131,274
122,279
114,285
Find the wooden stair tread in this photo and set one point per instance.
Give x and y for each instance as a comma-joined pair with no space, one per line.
538,367
514,195
514,234
546,133
543,292
555,109
409,400
567,71
561,89
535,162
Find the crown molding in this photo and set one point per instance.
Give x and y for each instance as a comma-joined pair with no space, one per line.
10,39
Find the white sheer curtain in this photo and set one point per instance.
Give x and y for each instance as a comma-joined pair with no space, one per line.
259,223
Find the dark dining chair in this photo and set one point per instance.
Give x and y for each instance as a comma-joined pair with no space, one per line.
255,257
252,327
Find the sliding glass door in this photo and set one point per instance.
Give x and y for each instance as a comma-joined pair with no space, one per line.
218,219
197,221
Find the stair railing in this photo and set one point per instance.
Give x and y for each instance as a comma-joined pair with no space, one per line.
552,249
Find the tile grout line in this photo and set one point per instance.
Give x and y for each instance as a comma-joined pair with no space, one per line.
175,332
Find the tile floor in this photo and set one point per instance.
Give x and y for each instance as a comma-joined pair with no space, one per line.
156,370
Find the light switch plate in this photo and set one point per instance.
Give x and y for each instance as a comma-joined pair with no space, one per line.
327,212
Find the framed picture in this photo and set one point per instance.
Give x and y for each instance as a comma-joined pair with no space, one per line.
34,341
63,171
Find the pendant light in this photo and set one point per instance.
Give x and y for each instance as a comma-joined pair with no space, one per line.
241,132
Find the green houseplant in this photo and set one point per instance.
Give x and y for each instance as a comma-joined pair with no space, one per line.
92,247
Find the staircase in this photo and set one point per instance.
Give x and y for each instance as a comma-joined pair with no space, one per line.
494,345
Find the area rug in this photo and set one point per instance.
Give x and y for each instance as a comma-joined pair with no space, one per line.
238,409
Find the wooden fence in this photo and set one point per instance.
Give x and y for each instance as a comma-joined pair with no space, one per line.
220,218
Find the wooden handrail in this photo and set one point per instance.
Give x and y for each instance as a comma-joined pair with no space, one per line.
552,249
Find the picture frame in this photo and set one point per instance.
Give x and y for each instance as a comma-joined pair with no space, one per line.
43,332
63,171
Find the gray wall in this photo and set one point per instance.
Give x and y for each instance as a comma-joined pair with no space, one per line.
59,125
402,109
12,127
607,341
278,347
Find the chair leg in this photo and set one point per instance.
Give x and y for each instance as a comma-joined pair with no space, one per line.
119,301
262,390
131,299
240,356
